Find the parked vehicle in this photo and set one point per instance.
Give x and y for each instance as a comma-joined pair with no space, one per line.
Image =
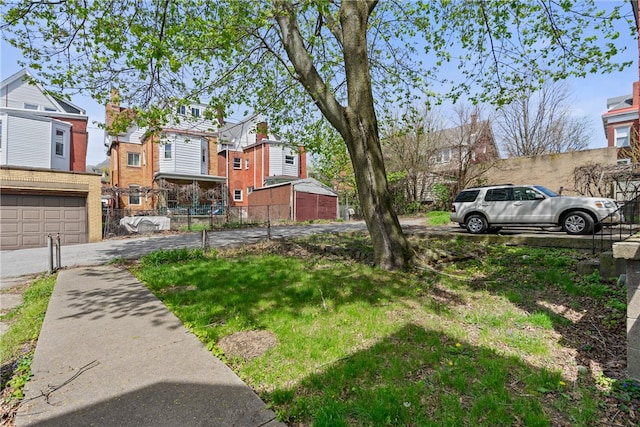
488,209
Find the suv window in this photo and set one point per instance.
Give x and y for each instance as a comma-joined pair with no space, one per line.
499,195
467,196
524,193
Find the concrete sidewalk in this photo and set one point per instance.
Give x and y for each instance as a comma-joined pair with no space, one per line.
111,354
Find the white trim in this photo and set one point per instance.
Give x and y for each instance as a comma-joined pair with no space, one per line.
138,194
133,154
622,133
239,166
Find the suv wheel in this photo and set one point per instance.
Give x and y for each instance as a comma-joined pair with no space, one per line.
576,222
476,224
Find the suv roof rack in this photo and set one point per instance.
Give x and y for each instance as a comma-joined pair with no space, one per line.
490,185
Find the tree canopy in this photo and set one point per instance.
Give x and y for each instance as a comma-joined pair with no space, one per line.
231,52
352,61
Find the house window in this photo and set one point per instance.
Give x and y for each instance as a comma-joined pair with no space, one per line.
133,159
204,155
134,195
289,160
624,161
237,195
621,136
59,142
182,110
246,163
443,156
30,107
0,134
49,109
195,112
237,163
167,151
250,190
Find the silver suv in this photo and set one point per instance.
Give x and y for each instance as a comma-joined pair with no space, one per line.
488,209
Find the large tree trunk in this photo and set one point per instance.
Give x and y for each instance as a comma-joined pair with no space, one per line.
356,122
391,248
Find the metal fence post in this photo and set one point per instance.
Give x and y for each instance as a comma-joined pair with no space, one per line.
50,253
205,242
268,222
58,253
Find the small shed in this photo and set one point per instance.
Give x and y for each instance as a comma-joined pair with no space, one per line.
300,200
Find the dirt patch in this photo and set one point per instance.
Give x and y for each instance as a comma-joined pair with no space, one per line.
247,345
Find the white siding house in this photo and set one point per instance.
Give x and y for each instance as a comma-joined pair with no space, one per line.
44,187
283,161
183,155
36,128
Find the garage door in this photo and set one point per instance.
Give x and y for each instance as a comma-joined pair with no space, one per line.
315,206
26,220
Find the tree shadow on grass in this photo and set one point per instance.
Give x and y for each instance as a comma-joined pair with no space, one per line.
423,377
246,290
587,313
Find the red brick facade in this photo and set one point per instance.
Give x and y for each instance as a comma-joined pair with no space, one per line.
78,140
245,169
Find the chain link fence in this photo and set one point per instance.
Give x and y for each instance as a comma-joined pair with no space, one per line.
197,217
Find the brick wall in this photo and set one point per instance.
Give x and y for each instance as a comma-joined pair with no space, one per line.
78,140
123,175
552,171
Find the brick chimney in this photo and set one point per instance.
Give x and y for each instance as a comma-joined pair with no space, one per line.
262,130
303,163
112,109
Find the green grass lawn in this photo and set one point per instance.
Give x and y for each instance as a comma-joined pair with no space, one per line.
483,340
19,341
438,218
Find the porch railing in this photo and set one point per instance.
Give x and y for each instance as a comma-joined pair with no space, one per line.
629,225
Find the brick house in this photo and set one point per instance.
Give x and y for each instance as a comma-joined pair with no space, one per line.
621,125
43,184
252,159
471,143
220,162
141,163
464,152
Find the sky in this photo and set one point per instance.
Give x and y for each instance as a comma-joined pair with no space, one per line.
589,94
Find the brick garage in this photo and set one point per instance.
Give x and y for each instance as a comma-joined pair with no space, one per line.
301,200
35,203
